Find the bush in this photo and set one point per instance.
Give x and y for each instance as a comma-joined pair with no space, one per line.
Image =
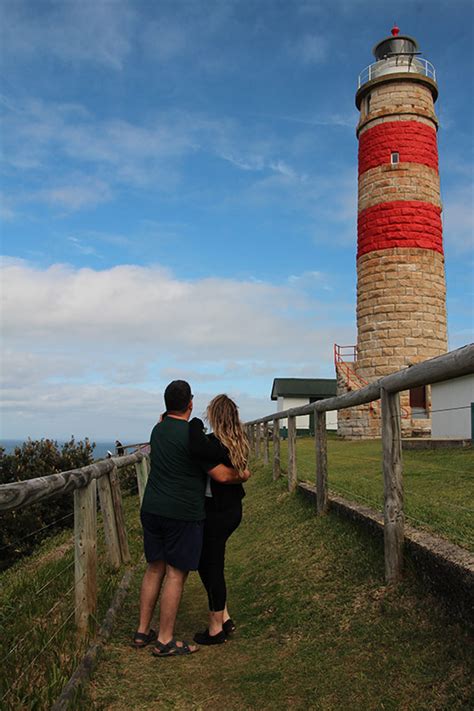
128,480
23,529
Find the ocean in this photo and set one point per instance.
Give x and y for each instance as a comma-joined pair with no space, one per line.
100,451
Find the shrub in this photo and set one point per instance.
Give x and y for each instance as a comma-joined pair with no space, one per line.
24,528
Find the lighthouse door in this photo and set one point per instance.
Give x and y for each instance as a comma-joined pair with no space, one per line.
418,402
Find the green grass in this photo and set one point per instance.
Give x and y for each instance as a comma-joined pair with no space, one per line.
317,628
438,484
36,600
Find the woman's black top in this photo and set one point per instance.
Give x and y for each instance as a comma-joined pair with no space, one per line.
210,452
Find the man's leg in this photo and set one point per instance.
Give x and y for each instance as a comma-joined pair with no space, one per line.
151,586
169,603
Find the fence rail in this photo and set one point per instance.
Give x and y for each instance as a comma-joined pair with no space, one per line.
452,365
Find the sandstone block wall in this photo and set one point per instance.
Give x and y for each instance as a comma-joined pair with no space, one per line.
397,98
401,309
361,422
405,181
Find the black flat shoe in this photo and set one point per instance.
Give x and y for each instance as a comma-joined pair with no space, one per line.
206,638
228,627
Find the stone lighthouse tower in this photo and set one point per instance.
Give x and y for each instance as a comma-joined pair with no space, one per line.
401,292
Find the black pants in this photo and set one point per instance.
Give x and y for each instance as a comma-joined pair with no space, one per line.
218,526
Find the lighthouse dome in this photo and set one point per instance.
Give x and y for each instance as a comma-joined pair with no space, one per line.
397,54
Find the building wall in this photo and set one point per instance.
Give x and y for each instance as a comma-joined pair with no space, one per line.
452,423
285,403
302,421
331,420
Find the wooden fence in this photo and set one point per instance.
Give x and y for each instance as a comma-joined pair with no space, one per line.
101,480
446,367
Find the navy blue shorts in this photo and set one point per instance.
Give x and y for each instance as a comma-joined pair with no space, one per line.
179,543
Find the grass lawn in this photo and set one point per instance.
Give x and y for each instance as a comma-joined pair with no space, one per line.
39,650
438,484
317,628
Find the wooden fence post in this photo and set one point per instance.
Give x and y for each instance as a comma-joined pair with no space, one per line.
320,442
85,555
257,440
292,471
119,517
276,450
250,435
393,486
266,444
108,517
141,470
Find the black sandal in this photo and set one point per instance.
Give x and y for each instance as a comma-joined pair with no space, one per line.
171,649
141,639
229,627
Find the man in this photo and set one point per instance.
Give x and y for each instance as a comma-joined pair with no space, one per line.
172,516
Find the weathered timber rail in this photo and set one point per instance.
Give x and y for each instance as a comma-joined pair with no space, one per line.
452,365
99,479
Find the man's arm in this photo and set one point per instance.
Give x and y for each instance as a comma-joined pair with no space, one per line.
227,475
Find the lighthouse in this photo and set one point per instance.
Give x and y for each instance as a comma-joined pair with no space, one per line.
401,289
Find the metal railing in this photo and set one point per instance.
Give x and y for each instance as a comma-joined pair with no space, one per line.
417,66
344,353
454,364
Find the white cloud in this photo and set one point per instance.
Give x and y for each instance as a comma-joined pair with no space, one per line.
79,341
75,196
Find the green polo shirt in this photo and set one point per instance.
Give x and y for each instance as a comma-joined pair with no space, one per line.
176,486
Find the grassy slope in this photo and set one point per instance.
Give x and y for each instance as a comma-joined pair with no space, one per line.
439,484
316,628
36,598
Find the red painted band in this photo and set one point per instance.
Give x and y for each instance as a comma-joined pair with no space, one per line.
401,223
415,142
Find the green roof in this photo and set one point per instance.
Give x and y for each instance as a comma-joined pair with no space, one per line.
303,387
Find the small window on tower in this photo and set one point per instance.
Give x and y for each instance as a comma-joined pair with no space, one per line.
367,105
395,158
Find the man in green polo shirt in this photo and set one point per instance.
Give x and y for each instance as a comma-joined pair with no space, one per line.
172,516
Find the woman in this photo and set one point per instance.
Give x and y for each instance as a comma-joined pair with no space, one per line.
226,445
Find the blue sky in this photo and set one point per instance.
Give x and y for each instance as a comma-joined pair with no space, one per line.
179,197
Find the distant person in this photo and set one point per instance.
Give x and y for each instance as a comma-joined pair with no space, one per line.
172,516
119,449
226,445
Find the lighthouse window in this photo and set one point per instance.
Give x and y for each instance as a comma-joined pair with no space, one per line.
367,105
395,158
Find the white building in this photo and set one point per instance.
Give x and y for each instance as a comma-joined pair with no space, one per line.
295,392
451,402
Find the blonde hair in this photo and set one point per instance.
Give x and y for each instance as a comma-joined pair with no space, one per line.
223,416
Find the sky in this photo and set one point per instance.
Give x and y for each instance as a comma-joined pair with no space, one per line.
179,198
